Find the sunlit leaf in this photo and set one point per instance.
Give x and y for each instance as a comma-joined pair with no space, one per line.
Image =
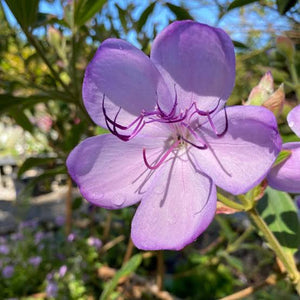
144,16
122,17
238,44
240,3
26,12
126,270
284,6
280,213
86,9
180,12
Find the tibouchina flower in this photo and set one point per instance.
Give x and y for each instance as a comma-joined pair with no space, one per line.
286,175
172,140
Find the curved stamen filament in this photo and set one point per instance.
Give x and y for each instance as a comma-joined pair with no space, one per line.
115,125
207,113
213,125
163,158
172,112
196,136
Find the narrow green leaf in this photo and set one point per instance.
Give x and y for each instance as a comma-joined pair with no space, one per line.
86,9
8,101
240,3
234,262
126,270
280,213
21,119
122,17
284,6
25,11
27,190
238,44
179,12
144,16
282,156
32,162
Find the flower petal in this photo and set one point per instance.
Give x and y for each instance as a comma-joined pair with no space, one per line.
178,207
199,60
293,119
241,158
127,78
286,175
111,173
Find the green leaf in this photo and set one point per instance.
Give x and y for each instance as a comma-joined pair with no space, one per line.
144,16
32,162
238,44
126,270
282,156
77,202
25,11
8,101
21,119
86,9
280,213
122,17
180,13
284,6
233,261
226,229
27,190
240,3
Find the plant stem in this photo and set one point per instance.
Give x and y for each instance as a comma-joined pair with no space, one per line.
230,203
294,76
160,270
40,51
129,250
287,260
69,207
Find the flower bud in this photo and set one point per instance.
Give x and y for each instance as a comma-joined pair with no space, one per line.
262,91
275,102
54,37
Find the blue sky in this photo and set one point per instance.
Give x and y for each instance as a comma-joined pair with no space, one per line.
233,22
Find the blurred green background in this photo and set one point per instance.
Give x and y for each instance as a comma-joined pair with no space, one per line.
53,244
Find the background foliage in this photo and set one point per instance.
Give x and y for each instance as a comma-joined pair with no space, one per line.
44,49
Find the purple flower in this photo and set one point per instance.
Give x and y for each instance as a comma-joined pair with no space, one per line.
8,271
286,175
17,236
38,237
60,220
62,271
4,249
172,139
29,223
35,261
51,289
94,242
71,237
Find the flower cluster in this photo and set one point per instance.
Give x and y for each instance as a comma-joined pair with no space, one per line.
173,139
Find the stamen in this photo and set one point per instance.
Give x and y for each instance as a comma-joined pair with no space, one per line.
206,113
115,125
172,112
213,125
163,158
196,136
